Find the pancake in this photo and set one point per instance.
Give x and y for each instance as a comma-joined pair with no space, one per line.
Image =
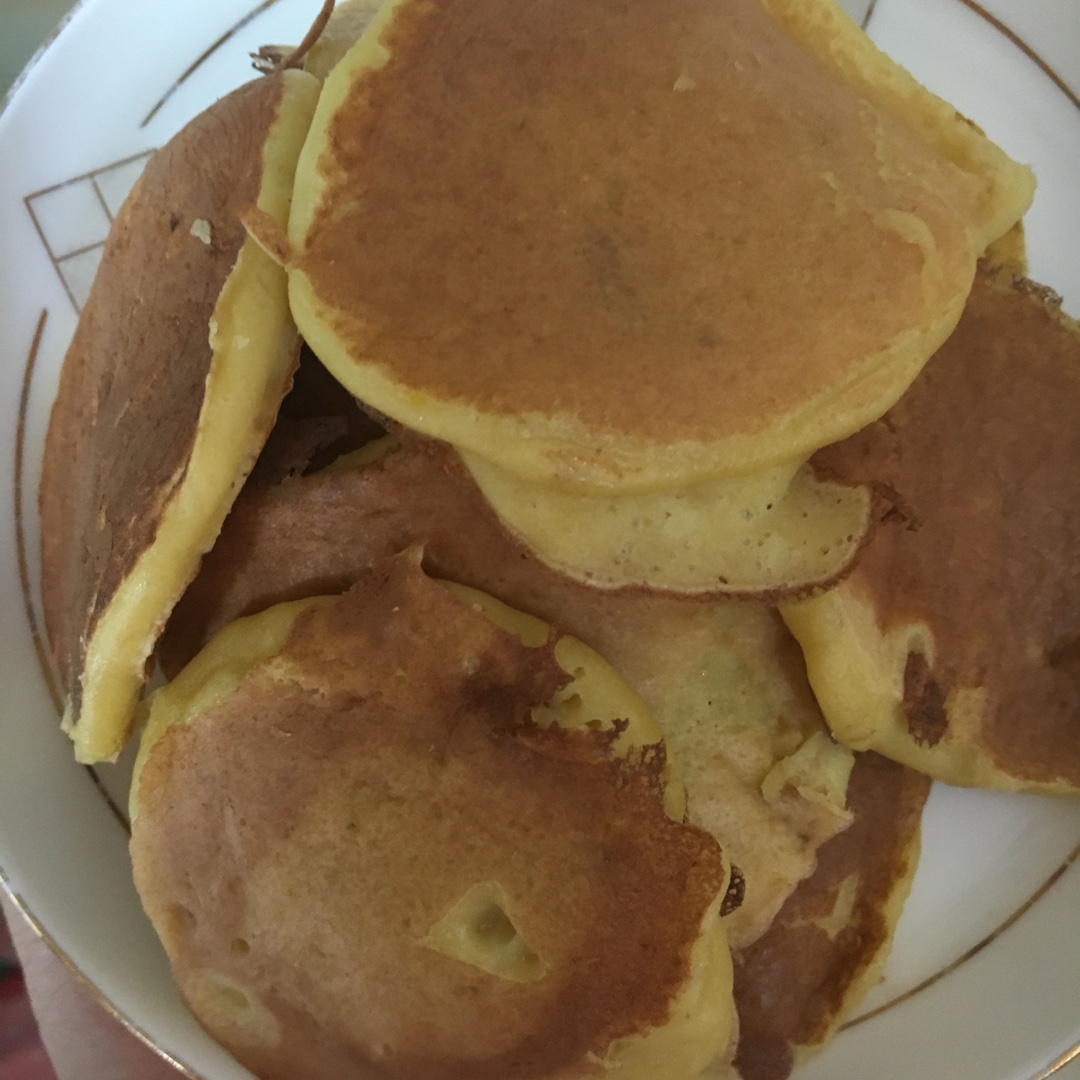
168,391
726,682
767,536
497,895
828,945
579,243
952,646
616,250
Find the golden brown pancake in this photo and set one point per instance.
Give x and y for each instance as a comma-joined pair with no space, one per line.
829,943
725,681
953,645
366,857
627,248
169,389
768,536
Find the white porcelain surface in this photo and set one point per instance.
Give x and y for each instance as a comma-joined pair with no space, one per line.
1007,1013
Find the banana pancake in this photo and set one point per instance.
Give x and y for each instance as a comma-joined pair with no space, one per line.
725,681
829,943
619,249
426,859
953,645
169,389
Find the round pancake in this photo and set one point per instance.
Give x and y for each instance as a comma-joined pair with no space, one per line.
827,947
628,247
726,682
410,875
953,645
169,389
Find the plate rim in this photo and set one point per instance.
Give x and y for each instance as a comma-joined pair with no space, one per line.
29,590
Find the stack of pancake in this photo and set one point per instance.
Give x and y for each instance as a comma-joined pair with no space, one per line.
635,336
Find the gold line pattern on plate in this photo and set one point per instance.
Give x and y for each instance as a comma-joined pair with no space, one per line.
1055,1066
975,949
103,791
40,649
1025,48
34,206
205,55
91,988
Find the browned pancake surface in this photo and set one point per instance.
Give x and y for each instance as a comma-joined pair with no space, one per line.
791,984
302,838
124,420
615,236
725,682
981,463
318,533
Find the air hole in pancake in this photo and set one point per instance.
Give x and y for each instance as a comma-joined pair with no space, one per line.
179,923
232,1000
478,930
240,946
492,928
226,1004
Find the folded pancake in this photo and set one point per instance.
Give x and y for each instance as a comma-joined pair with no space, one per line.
381,835
169,389
829,944
953,645
620,249
726,682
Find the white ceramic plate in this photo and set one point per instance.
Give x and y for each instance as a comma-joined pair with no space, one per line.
984,983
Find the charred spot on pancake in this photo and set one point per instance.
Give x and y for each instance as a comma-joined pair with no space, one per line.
924,701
